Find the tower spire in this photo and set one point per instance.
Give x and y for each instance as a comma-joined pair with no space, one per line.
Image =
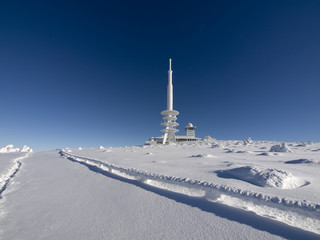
170,89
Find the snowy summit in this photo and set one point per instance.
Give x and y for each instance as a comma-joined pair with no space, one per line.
190,190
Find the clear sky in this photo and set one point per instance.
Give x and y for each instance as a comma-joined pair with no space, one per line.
90,73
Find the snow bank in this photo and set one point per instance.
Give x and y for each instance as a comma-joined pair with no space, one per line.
9,148
263,178
278,148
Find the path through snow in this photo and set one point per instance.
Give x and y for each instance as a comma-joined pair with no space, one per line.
299,214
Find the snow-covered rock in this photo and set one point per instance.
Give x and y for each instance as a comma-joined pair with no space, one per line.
247,141
280,148
25,148
209,139
9,148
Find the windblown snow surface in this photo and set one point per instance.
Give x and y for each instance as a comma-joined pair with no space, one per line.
208,189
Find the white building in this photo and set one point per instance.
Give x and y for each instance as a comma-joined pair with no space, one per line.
190,136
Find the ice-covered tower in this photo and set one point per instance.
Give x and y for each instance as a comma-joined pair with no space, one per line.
170,115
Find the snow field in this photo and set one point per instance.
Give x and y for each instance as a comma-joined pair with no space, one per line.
298,213
60,199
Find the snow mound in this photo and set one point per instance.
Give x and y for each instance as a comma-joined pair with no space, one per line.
273,178
209,139
228,150
25,148
278,148
247,141
300,161
214,145
203,156
9,148
101,147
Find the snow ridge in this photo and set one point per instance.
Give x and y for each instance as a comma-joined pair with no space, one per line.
5,178
140,174
299,213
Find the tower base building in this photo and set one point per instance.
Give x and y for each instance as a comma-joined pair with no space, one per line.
189,137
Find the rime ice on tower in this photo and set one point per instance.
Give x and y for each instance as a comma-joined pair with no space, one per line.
169,121
170,115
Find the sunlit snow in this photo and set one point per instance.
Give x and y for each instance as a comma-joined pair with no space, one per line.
227,189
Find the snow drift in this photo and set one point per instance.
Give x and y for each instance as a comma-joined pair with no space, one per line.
263,178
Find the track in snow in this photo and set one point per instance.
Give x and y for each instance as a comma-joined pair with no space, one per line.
6,178
287,219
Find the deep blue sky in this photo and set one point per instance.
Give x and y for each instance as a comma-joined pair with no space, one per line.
90,73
